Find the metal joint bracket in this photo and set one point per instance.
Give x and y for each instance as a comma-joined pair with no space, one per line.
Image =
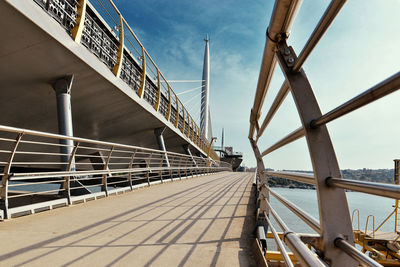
312,124
63,85
253,117
328,181
286,234
263,186
279,37
288,54
312,240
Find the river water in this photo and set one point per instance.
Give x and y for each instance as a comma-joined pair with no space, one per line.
307,200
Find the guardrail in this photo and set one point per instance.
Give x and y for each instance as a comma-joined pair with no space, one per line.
39,171
101,28
335,244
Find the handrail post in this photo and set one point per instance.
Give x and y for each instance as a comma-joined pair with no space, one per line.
157,104
77,30
118,65
172,162
168,116
179,168
161,169
177,111
192,131
104,182
183,120
148,169
143,81
130,169
70,167
332,202
6,177
208,153
262,188
186,168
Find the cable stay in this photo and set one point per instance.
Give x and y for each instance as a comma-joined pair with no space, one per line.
184,81
190,90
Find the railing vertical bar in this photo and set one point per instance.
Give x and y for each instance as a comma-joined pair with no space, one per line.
120,54
77,30
105,175
130,167
143,81
67,178
6,176
158,96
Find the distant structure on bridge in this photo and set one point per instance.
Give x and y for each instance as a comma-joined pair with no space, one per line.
228,155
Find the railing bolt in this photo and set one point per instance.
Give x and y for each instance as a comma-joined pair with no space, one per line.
290,60
287,51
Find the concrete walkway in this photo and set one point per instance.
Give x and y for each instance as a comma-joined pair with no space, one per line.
202,221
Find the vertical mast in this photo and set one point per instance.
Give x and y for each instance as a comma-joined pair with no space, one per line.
204,112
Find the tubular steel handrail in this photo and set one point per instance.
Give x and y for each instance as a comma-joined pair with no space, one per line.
93,168
311,221
373,225
336,242
113,41
358,218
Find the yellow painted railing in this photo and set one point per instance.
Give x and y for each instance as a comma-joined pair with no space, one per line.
128,42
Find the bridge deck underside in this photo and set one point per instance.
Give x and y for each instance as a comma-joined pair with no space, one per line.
203,221
33,54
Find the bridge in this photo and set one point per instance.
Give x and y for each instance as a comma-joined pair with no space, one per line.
134,179
81,57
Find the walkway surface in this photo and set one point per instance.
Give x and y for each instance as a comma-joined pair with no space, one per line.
202,221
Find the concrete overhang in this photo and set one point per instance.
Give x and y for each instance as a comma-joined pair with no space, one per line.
35,50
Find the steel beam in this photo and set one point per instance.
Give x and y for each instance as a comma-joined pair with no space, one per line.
262,188
62,87
161,144
6,177
332,202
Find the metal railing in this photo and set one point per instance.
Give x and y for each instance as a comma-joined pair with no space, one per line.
101,28
335,243
36,175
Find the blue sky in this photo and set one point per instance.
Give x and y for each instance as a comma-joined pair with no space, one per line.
360,49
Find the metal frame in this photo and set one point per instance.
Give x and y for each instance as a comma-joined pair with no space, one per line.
335,244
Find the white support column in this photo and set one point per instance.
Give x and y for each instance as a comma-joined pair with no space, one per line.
187,150
161,144
62,87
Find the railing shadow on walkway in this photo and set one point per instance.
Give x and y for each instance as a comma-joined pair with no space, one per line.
211,206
